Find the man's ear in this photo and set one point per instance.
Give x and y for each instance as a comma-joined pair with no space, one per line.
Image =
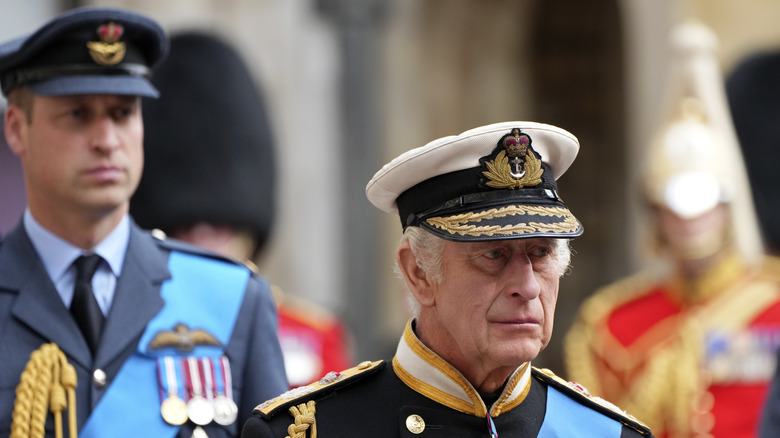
416,279
15,128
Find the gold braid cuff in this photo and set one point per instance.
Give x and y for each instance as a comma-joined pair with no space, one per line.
46,379
304,420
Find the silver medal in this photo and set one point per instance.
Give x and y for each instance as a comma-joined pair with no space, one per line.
200,410
225,410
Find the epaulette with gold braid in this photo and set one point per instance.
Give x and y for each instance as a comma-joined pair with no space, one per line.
579,393
325,385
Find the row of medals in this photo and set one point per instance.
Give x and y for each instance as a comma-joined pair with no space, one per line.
206,403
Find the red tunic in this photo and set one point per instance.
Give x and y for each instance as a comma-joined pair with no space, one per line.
687,359
314,341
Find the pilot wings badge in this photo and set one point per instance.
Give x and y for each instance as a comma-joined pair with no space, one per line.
182,338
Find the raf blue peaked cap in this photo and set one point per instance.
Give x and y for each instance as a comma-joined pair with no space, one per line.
86,51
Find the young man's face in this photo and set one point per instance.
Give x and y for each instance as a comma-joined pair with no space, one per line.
80,153
693,238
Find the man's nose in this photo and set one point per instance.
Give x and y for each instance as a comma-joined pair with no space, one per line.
521,278
104,134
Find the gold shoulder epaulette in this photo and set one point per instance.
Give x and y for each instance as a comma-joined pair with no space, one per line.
578,392
329,382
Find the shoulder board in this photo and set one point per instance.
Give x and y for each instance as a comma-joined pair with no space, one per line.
581,395
324,386
177,245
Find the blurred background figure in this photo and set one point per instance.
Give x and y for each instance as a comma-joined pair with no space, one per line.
688,345
753,90
210,180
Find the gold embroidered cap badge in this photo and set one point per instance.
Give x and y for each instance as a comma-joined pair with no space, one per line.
516,165
109,50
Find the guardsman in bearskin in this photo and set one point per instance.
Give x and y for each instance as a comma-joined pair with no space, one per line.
688,345
220,194
753,90
115,331
486,238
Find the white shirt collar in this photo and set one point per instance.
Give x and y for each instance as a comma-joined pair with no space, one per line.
57,254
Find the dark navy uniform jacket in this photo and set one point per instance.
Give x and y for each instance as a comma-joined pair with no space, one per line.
420,395
32,313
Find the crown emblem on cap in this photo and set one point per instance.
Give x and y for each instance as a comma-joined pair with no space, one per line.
109,50
516,166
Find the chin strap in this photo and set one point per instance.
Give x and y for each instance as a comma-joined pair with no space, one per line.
46,379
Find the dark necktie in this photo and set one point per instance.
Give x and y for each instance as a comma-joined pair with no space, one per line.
84,306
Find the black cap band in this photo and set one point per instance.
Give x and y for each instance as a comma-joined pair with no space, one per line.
453,191
18,78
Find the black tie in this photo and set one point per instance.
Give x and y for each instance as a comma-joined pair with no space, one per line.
84,306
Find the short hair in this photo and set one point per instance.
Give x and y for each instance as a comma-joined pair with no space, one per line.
23,98
428,249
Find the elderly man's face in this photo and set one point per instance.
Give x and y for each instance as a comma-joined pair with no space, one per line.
494,308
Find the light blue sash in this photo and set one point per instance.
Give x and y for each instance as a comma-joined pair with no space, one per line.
565,418
202,293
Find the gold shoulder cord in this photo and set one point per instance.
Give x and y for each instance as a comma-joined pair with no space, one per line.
304,418
45,380
585,338
662,393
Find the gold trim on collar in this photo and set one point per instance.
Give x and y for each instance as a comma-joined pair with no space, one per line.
428,374
521,382
469,401
434,393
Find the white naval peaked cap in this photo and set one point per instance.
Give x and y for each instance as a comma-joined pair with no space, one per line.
492,182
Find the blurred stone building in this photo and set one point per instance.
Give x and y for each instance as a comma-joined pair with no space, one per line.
353,83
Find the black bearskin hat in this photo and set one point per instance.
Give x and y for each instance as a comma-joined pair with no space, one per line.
208,143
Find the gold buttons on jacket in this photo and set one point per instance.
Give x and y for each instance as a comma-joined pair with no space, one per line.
415,424
99,378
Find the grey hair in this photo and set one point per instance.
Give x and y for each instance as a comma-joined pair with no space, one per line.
428,249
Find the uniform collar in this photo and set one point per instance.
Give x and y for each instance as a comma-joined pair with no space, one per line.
57,254
723,276
428,374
